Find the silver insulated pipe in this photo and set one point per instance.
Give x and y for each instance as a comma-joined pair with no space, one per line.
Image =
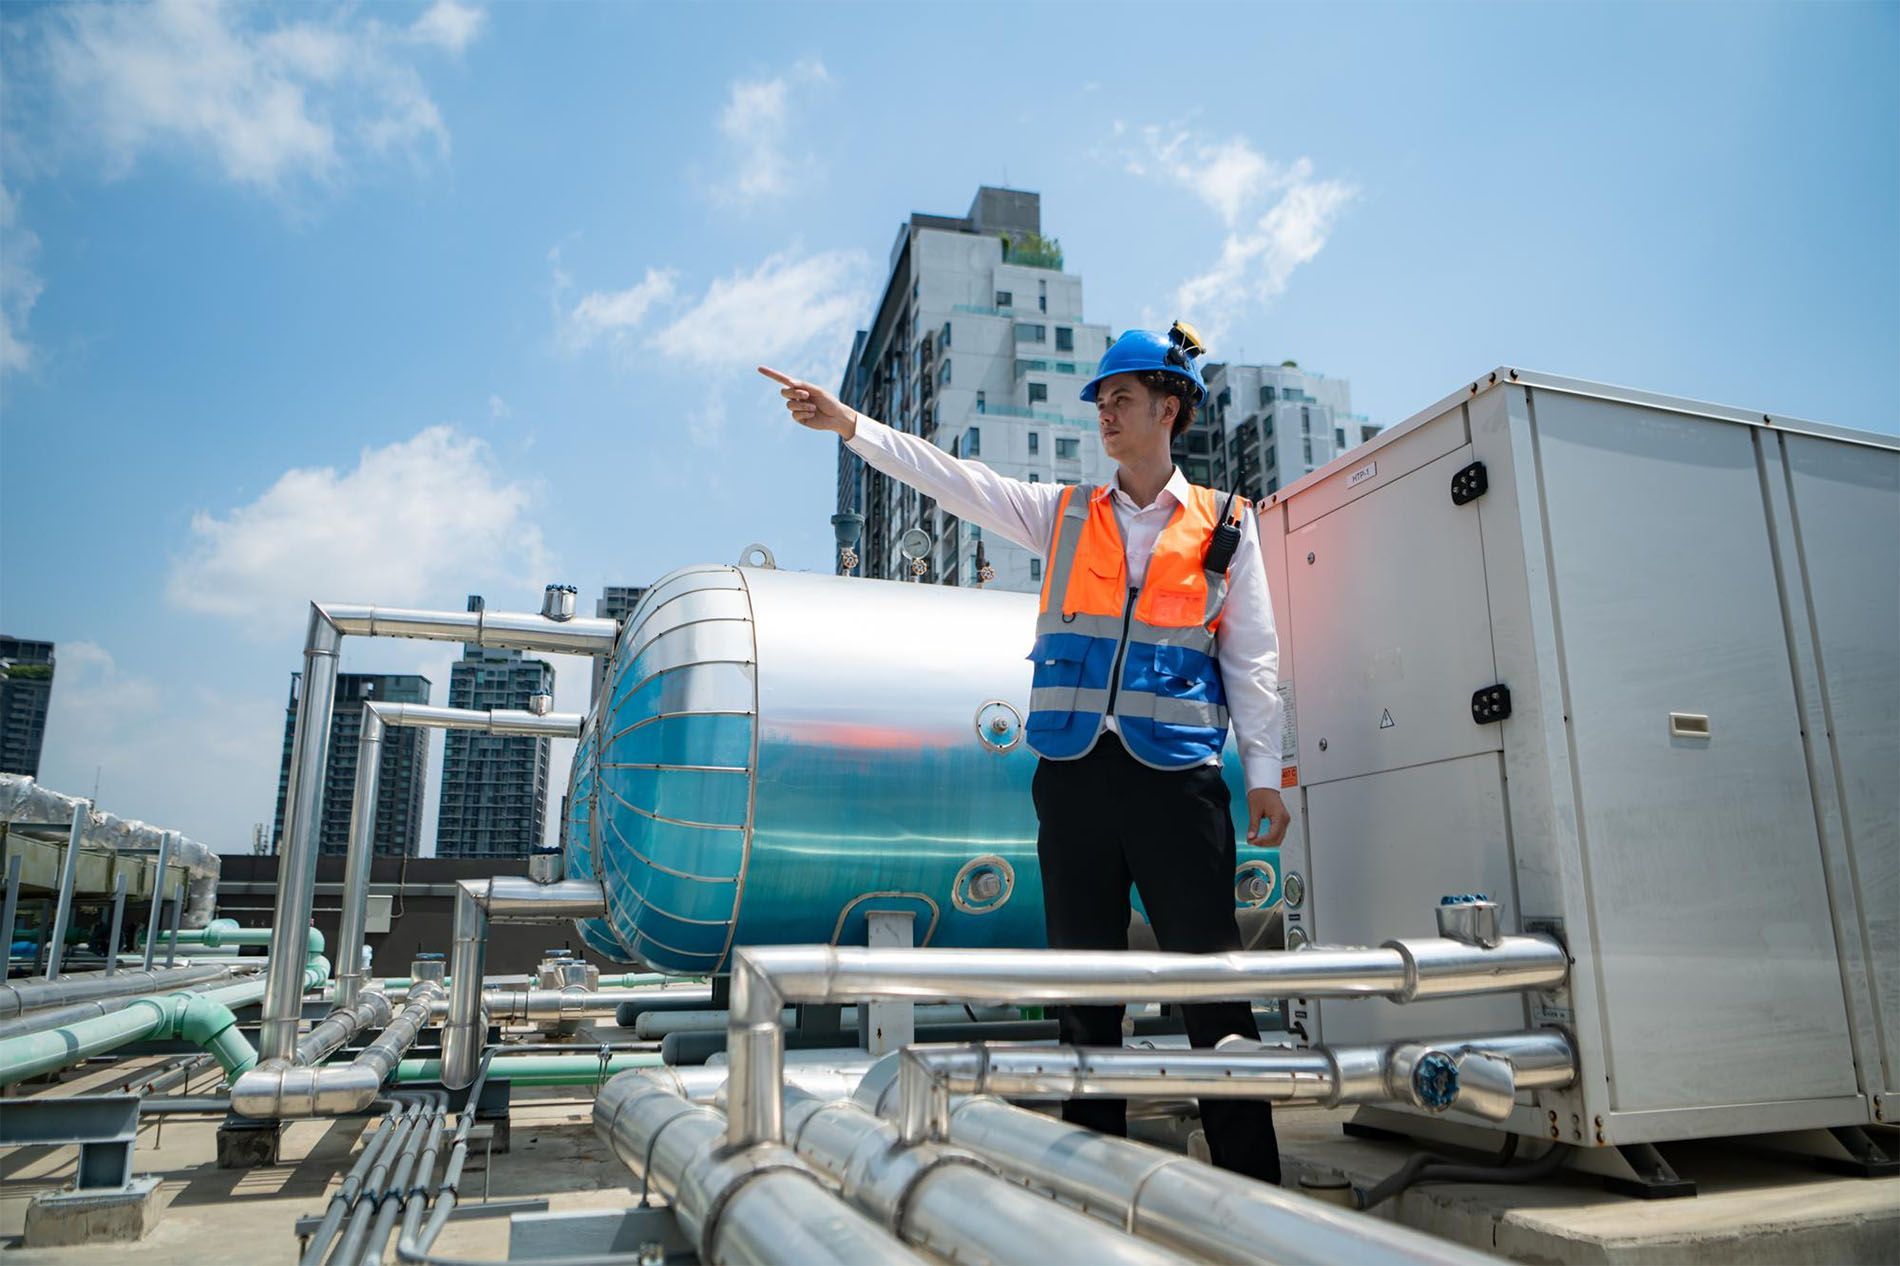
762,1205
280,1089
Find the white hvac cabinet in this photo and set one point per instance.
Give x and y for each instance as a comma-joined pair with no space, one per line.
1695,612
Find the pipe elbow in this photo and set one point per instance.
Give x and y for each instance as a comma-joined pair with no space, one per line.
282,1090
212,1026
316,972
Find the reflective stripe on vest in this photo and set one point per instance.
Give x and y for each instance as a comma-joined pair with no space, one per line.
1169,701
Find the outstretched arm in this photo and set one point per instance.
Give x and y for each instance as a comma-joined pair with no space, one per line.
1012,508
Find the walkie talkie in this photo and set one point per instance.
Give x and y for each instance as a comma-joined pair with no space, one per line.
1220,550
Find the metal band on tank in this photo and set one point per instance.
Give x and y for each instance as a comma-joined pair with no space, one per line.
752,788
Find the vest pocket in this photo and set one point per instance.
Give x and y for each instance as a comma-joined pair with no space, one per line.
1059,659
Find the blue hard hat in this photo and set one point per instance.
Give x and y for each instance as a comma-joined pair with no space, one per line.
1138,351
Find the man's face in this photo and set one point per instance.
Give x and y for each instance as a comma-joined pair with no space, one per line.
1135,420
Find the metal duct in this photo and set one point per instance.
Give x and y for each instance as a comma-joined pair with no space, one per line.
1184,1204
765,978
278,1090
946,1201
25,800
18,999
376,718
311,739
763,1205
505,899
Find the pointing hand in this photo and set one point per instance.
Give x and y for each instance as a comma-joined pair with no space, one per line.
811,405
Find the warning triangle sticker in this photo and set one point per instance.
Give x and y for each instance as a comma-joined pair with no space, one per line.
1385,720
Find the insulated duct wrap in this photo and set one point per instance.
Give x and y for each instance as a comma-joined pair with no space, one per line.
775,755
25,800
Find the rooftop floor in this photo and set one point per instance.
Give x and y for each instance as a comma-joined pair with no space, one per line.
1752,1208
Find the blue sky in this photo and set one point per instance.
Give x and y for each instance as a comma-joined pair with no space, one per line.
392,303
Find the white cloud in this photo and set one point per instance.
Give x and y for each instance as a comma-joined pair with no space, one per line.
449,26
270,104
20,284
498,408
1261,249
411,518
756,122
613,314
791,310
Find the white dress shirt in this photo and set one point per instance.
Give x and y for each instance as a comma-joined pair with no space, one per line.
1023,512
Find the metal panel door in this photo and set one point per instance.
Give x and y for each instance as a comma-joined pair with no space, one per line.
1388,596
1716,961
1384,848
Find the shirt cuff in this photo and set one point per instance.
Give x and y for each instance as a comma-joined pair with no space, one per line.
870,434
1262,770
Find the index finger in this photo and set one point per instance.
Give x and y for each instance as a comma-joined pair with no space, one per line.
777,377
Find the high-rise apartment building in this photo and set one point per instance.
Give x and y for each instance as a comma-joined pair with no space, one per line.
1264,426
26,692
494,788
403,768
978,344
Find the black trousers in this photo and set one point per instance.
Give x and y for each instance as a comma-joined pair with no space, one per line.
1107,820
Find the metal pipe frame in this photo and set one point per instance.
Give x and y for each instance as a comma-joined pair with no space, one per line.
1186,1205
947,1201
1477,1075
377,718
68,875
761,1205
362,851
292,1089
501,899
766,978
310,751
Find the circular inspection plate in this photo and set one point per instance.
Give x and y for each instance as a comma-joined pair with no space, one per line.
984,884
999,726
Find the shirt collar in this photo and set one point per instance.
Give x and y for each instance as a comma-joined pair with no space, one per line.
1176,487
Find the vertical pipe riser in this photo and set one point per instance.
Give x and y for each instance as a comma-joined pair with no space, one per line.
297,864
158,896
355,916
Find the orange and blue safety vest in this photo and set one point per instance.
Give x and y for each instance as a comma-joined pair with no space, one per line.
1147,656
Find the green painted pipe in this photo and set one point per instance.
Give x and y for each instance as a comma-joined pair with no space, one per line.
222,932
201,1018
539,1070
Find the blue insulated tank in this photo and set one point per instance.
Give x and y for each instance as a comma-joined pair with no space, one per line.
776,754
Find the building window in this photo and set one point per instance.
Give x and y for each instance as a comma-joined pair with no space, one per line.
943,375
1068,450
1065,367
1306,420
946,334
1035,569
1339,438
972,442
1042,296
1307,444
1038,392
1065,339
1004,299
1028,333
1035,443
981,405
1034,478
1266,395
1367,432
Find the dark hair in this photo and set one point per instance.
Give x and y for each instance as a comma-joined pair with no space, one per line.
1181,389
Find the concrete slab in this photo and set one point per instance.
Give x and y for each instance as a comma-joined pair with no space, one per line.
58,1218
1752,1209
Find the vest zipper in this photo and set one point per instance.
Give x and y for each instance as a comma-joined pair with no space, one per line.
1121,652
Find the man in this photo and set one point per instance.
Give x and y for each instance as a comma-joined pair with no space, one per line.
1144,647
